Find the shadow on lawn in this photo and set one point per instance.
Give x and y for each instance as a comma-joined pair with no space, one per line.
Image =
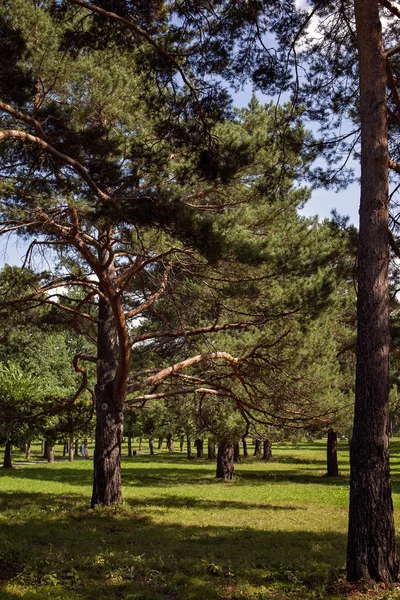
123,555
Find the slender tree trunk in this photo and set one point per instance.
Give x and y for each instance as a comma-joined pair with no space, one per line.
170,443
267,450
257,448
70,450
151,445
50,452
236,452
188,446
210,449
181,443
109,415
44,449
332,468
225,466
129,445
7,464
28,451
245,452
76,449
199,447
65,449
371,550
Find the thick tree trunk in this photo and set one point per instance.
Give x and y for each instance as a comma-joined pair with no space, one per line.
28,451
332,468
50,452
45,448
188,446
236,452
7,464
129,445
257,448
160,441
225,466
170,443
109,415
245,452
151,445
267,450
210,449
199,447
70,450
371,550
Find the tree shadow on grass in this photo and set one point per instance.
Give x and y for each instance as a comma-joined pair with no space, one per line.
119,554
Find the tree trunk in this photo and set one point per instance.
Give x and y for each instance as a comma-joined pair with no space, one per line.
151,445
199,447
267,450
65,449
70,450
189,446
371,550
332,469
109,415
45,447
236,452
257,448
181,443
225,467
170,443
7,464
28,451
160,441
210,450
129,445
50,452
245,452
76,449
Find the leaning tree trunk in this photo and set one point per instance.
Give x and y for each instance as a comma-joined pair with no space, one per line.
267,450
109,415
371,550
257,448
7,464
225,466
332,468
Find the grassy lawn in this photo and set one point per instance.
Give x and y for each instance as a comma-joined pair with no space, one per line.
278,531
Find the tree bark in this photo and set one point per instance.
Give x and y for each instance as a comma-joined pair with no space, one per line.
129,445
151,445
28,451
160,441
257,448
332,468
210,450
181,443
371,550
225,466
245,451
267,450
109,415
50,452
170,443
199,447
70,450
236,452
188,446
76,449
45,448
7,464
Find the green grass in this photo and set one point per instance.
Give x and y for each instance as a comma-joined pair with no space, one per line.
278,531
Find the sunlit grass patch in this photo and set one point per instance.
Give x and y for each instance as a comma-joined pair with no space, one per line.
278,530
